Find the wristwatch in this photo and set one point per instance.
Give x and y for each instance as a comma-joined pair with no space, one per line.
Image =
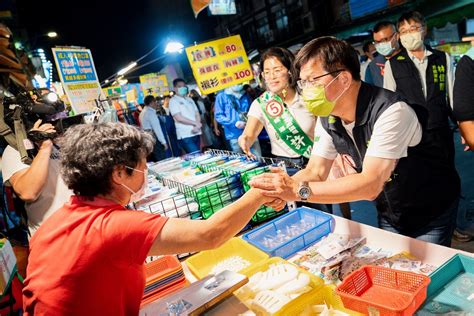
304,191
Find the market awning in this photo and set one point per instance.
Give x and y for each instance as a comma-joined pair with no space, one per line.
454,13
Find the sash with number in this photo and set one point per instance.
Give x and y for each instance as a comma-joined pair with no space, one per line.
285,124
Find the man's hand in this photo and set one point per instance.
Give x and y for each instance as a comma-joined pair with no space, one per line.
244,144
240,124
217,132
276,204
277,184
45,128
466,146
195,130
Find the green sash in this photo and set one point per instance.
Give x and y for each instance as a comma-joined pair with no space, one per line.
285,124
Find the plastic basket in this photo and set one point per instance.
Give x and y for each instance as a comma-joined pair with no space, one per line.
292,307
324,296
202,263
322,225
383,291
161,268
451,285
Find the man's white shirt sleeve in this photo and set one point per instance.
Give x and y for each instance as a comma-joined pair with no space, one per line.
395,130
323,144
11,163
174,106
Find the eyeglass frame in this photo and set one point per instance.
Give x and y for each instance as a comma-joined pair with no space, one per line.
302,83
385,40
276,76
412,29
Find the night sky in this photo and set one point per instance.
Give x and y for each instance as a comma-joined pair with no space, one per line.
117,32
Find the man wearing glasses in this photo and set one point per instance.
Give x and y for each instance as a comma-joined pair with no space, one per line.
423,76
414,186
386,43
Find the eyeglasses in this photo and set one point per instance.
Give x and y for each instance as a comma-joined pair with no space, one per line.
384,40
311,83
144,170
276,73
412,29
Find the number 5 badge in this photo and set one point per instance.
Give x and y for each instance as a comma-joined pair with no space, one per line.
274,108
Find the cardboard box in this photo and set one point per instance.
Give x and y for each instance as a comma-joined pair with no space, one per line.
7,263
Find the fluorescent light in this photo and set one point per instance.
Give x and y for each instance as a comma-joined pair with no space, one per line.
174,47
123,71
52,34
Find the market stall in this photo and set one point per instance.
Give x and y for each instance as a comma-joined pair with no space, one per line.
302,262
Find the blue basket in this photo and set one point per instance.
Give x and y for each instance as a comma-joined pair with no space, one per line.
451,285
323,224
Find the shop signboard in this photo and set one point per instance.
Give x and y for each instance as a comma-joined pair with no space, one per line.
134,92
155,84
79,78
219,64
222,7
113,91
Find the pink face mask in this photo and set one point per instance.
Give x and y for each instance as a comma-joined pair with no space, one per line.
136,196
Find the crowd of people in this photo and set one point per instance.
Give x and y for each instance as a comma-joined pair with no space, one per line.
381,132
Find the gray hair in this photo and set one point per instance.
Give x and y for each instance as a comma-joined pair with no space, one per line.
89,153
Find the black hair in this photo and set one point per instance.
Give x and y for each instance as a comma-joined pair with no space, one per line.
366,47
411,16
383,24
149,99
178,80
335,54
285,57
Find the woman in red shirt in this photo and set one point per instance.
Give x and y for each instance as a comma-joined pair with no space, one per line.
87,258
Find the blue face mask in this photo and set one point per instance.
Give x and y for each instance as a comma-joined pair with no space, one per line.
384,49
182,91
237,88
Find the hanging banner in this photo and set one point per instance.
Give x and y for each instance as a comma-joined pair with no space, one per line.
219,64
155,84
113,91
134,92
198,6
77,73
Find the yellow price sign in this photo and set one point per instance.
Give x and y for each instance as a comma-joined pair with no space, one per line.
219,64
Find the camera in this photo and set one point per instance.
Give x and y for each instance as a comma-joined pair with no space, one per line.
20,112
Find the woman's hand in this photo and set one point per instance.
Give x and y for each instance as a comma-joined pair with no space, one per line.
45,128
277,184
245,145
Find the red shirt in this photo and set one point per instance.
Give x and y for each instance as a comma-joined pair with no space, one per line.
87,259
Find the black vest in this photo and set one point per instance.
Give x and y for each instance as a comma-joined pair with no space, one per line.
423,185
410,86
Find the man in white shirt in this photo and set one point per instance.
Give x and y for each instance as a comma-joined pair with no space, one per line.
186,117
149,122
40,184
414,185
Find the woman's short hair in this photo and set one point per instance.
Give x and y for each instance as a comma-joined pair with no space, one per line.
90,152
285,57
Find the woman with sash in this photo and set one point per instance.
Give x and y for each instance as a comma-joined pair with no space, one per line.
281,110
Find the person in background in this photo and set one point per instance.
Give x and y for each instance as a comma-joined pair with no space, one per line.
386,44
168,128
102,246
206,135
397,165
423,75
186,117
463,97
150,123
230,111
369,53
463,110
166,104
40,184
251,92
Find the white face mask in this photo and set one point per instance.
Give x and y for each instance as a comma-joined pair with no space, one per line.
412,41
136,196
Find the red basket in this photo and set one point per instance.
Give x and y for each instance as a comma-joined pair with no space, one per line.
383,291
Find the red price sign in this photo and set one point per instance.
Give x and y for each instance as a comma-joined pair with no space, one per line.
230,48
274,108
242,74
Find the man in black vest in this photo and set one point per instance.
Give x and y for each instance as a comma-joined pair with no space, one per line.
424,76
415,186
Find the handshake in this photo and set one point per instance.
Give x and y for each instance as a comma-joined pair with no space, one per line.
277,186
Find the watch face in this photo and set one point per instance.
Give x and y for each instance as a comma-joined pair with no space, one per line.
304,192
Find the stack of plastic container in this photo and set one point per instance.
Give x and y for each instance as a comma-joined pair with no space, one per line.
163,276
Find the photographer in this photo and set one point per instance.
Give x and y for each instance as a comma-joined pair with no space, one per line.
39,185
